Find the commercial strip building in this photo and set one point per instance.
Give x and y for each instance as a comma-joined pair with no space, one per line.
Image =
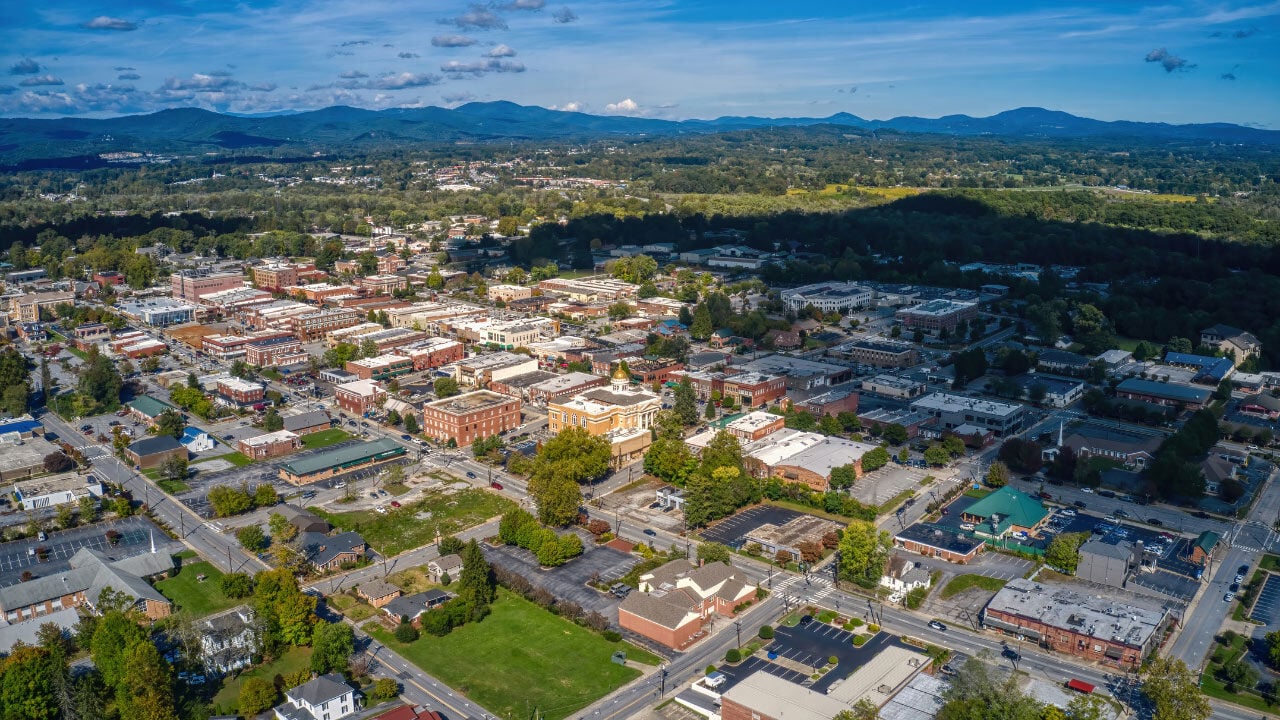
159,312
940,542
1087,626
432,352
893,386
311,325
478,370
589,290
471,416
950,411
340,461
880,353
748,389
1163,393
54,490
382,367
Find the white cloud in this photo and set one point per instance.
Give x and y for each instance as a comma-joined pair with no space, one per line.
501,51
478,17
623,107
525,5
41,80
353,75
571,106
480,67
102,22
453,41
400,81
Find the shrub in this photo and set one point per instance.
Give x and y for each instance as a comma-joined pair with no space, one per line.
833,660
256,695
859,640
406,633
612,635
733,655
766,632
710,669
856,622
236,585
384,689
873,628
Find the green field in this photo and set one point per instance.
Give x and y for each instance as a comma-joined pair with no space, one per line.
193,596
324,438
234,458
173,487
960,583
228,698
402,529
522,654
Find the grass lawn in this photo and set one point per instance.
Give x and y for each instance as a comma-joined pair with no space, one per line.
397,488
407,527
197,598
234,458
978,494
521,653
1215,687
1270,562
173,487
324,438
960,583
228,698
892,503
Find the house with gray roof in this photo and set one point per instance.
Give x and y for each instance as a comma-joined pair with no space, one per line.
327,697
329,552
91,572
307,422
229,640
408,608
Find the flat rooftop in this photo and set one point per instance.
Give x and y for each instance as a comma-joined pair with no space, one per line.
470,402
344,456
947,402
53,484
939,307
1091,615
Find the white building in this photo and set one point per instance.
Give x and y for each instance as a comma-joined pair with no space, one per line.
229,640
327,697
829,297
55,490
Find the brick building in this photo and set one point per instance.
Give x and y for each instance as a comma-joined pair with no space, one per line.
937,315
676,601
275,351
466,418
360,396
315,324
382,367
507,293
192,284
152,452
940,542
432,352
880,353
1091,627
274,444
241,392
278,276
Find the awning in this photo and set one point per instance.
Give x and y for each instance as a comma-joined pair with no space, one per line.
1079,686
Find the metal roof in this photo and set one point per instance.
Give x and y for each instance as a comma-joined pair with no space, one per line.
349,455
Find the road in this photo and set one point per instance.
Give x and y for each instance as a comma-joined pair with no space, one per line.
222,550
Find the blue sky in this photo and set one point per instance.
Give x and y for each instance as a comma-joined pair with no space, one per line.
1119,59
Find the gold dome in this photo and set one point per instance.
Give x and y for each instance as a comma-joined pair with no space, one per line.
621,375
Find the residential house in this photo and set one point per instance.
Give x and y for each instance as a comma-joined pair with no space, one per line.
327,697
902,575
451,564
378,592
330,552
1228,339
410,608
229,640
303,520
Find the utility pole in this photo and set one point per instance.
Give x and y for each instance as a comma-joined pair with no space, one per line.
737,628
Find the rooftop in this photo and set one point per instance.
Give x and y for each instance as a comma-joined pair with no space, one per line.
1091,615
937,536
54,483
470,402
1181,393
270,438
153,445
948,402
350,454
937,307
1018,507
149,406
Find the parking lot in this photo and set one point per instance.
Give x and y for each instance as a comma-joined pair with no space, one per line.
135,539
732,530
1267,608
885,484
811,645
569,581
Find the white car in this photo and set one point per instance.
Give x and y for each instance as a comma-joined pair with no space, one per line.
966,526
1069,512
1087,491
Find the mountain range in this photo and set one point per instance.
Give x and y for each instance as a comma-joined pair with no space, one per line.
71,142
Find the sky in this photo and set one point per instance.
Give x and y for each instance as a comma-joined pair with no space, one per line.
1180,61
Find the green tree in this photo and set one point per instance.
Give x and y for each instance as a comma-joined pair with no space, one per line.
446,387
1064,551
670,459
282,531
709,552
476,584
844,476
256,696
146,691
1174,691
251,538
174,468
331,646
227,501
88,509
369,348
685,404
863,552
997,475
875,459
65,516
169,422
28,678
701,328
411,424
114,634
562,463
937,455
895,433
271,421
100,381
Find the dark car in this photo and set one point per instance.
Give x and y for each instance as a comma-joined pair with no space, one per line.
1235,587
1200,514
471,474
1242,569
1120,512
1011,654
1154,521
1080,504
406,437
651,532
946,511
806,620
937,625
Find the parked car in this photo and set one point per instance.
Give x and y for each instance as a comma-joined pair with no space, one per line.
1121,512
1242,569
373,495
1080,504
495,485
650,532
1240,578
406,437
1229,597
937,626
395,503
806,620
966,526
1154,521
1087,490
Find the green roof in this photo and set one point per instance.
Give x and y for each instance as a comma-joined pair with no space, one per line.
337,458
1207,541
150,406
1015,507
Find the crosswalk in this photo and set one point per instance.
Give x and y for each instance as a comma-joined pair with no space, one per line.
93,452
813,588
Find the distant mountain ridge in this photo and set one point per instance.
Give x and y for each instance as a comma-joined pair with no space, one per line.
189,130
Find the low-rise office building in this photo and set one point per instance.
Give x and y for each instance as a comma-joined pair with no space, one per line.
893,386
90,573
155,451
940,542
471,416
340,461
951,411
269,445
382,367
676,601
359,396
1163,393
935,316
54,490
241,392
880,353
432,352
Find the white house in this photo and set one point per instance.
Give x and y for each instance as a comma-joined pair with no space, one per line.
327,697
902,575
229,640
197,440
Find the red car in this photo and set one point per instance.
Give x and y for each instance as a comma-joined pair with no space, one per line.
495,485
395,503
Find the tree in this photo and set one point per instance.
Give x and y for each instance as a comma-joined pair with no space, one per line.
411,424
368,348
256,696
997,475
56,462
271,421
685,405
65,516
701,328
100,381
88,509
1174,691
864,709
170,423
875,459
1063,552
282,531
387,688
251,538
562,463
14,400
863,551
937,455
146,691
193,382
114,633
670,459
28,681
331,645
236,585
620,311
446,387
476,584
844,476
709,552
895,433
174,468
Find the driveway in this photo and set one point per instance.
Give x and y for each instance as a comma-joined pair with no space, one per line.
569,581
